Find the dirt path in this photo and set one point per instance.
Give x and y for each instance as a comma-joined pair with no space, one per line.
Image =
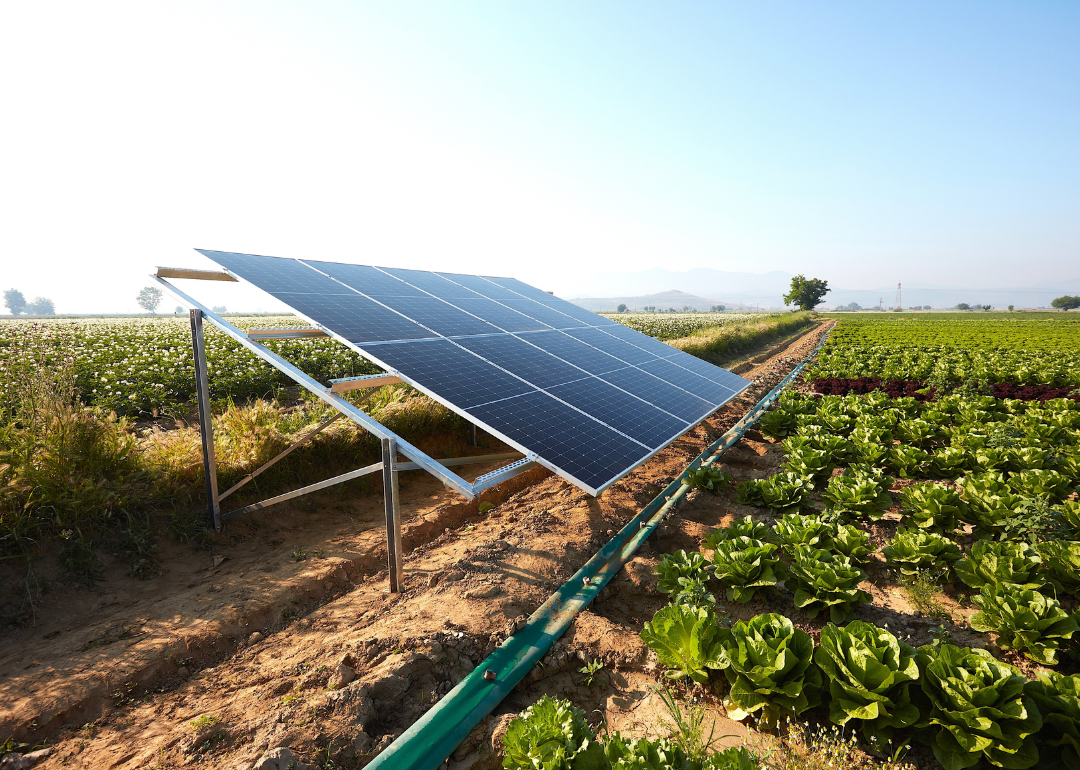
246,646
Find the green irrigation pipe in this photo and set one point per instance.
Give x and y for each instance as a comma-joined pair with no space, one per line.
433,738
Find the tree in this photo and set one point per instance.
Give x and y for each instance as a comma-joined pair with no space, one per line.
1066,303
219,309
15,301
149,298
41,306
926,307
621,308
963,306
1010,308
806,294
179,310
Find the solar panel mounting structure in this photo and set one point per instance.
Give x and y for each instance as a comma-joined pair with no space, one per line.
573,391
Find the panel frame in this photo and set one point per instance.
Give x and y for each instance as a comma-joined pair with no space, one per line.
370,351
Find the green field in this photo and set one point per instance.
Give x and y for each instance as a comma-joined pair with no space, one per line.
952,348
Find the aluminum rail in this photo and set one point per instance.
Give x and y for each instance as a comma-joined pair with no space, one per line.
450,479
432,739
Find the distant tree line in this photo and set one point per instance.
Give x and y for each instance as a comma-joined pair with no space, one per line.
16,304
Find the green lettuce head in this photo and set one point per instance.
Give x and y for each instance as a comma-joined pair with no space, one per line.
1058,699
826,582
976,709
744,567
1024,620
870,673
685,641
771,669
551,735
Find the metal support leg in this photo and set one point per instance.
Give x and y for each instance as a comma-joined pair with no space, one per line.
393,514
206,419
472,434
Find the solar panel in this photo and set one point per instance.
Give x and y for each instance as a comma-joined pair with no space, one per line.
590,397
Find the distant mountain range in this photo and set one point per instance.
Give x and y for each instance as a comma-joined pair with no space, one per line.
605,291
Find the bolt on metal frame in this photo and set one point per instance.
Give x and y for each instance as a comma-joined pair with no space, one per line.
392,444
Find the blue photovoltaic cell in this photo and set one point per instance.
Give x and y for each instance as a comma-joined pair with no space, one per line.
518,357
451,372
445,320
591,397
591,453
544,314
432,283
621,411
356,318
481,286
623,351
274,274
708,371
654,390
688,381
367,280
505,318
576,352
650,344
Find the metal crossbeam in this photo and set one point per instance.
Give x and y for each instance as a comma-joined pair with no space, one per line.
375,468
280,456
367,381
200,275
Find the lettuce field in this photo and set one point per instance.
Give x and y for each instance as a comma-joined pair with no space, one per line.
944,490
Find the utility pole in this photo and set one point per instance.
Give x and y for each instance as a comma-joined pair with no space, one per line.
899,303
880,300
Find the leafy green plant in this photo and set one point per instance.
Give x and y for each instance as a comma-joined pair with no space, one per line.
685,641
745,567
990,563
1031,520
794,529
1061,565
869,673
770,669
744,527
1058,700
591,673
693,593
917,432
859,494
777,423
851,542
1047,484
913,551
825,582
786,491
949,462
680,564
977,705
709,478
808,462
553,735
1024,620
907,462
749,492
933,507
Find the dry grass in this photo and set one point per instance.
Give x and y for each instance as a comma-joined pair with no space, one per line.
719,342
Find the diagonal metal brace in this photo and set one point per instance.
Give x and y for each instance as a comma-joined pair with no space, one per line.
354,413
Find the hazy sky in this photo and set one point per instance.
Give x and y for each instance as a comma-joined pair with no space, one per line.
864,143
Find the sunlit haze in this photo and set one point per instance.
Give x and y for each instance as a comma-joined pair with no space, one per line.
863,143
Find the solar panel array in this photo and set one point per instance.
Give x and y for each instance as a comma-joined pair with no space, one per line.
591,397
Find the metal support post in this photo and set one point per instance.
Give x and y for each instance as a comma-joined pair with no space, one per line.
472,433
206,419
393,517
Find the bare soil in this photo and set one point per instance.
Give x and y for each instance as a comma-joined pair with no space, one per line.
243,640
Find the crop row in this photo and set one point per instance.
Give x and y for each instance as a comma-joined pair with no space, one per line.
1055,332
138,366
669,326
